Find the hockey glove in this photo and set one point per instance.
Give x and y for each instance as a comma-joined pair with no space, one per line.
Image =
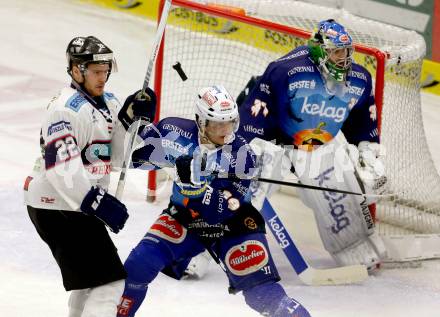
189,170
138,106
106,208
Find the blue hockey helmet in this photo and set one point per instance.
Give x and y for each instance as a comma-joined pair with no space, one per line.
331,47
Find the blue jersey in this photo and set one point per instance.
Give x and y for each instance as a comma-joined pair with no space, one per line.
216,199
292,104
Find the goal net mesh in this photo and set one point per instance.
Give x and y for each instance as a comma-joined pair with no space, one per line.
216,49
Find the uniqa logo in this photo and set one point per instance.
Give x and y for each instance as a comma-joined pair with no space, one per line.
127,4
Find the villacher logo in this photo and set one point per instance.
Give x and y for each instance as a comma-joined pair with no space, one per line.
247,257
169,229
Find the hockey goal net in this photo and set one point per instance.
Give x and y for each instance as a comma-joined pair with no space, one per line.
229,41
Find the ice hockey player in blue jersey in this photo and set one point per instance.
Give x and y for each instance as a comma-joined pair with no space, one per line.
82,140
206,211
320,104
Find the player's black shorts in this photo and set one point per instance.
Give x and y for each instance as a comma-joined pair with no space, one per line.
81,246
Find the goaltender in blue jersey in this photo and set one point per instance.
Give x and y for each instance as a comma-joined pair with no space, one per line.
318,102
206,210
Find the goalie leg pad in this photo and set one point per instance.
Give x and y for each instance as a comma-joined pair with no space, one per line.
344,221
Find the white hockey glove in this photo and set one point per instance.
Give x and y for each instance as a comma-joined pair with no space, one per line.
367,158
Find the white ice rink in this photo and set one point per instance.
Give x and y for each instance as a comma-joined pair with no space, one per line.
34,35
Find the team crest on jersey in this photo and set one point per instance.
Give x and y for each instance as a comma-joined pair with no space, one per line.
308,139
166,227
246,258
259,106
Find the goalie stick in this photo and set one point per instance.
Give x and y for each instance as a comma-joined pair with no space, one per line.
307,274
159,34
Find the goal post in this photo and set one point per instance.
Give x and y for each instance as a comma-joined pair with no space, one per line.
228,41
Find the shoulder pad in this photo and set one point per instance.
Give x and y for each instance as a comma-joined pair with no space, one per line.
76,102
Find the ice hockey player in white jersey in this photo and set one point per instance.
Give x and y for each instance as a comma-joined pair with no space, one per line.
82,137
311,100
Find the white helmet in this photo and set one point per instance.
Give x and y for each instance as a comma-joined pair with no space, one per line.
214,103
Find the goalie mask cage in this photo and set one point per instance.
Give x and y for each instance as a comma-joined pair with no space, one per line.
229,41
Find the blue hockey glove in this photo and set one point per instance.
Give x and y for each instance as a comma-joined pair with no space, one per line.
105,207
138,106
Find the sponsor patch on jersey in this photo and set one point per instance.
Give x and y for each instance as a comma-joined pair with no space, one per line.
358,91
180,131
357,75
175,146
246,258
47,200
251,129
294,55
59,126
265,88
208,194
307,84
166,227
250,223
76,102
301,69
322,110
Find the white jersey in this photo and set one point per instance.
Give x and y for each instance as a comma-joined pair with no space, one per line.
80,145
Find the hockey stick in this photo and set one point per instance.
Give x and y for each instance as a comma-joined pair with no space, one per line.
233,176
159,34
307,274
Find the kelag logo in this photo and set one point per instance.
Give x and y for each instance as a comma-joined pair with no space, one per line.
127,4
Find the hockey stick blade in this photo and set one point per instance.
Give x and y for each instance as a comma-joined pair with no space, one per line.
334,276
307,274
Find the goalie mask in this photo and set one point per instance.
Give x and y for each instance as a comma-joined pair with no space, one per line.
331,48
216,114
83,51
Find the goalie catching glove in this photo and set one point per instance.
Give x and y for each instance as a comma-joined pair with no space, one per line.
106,208
367,158
140,105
